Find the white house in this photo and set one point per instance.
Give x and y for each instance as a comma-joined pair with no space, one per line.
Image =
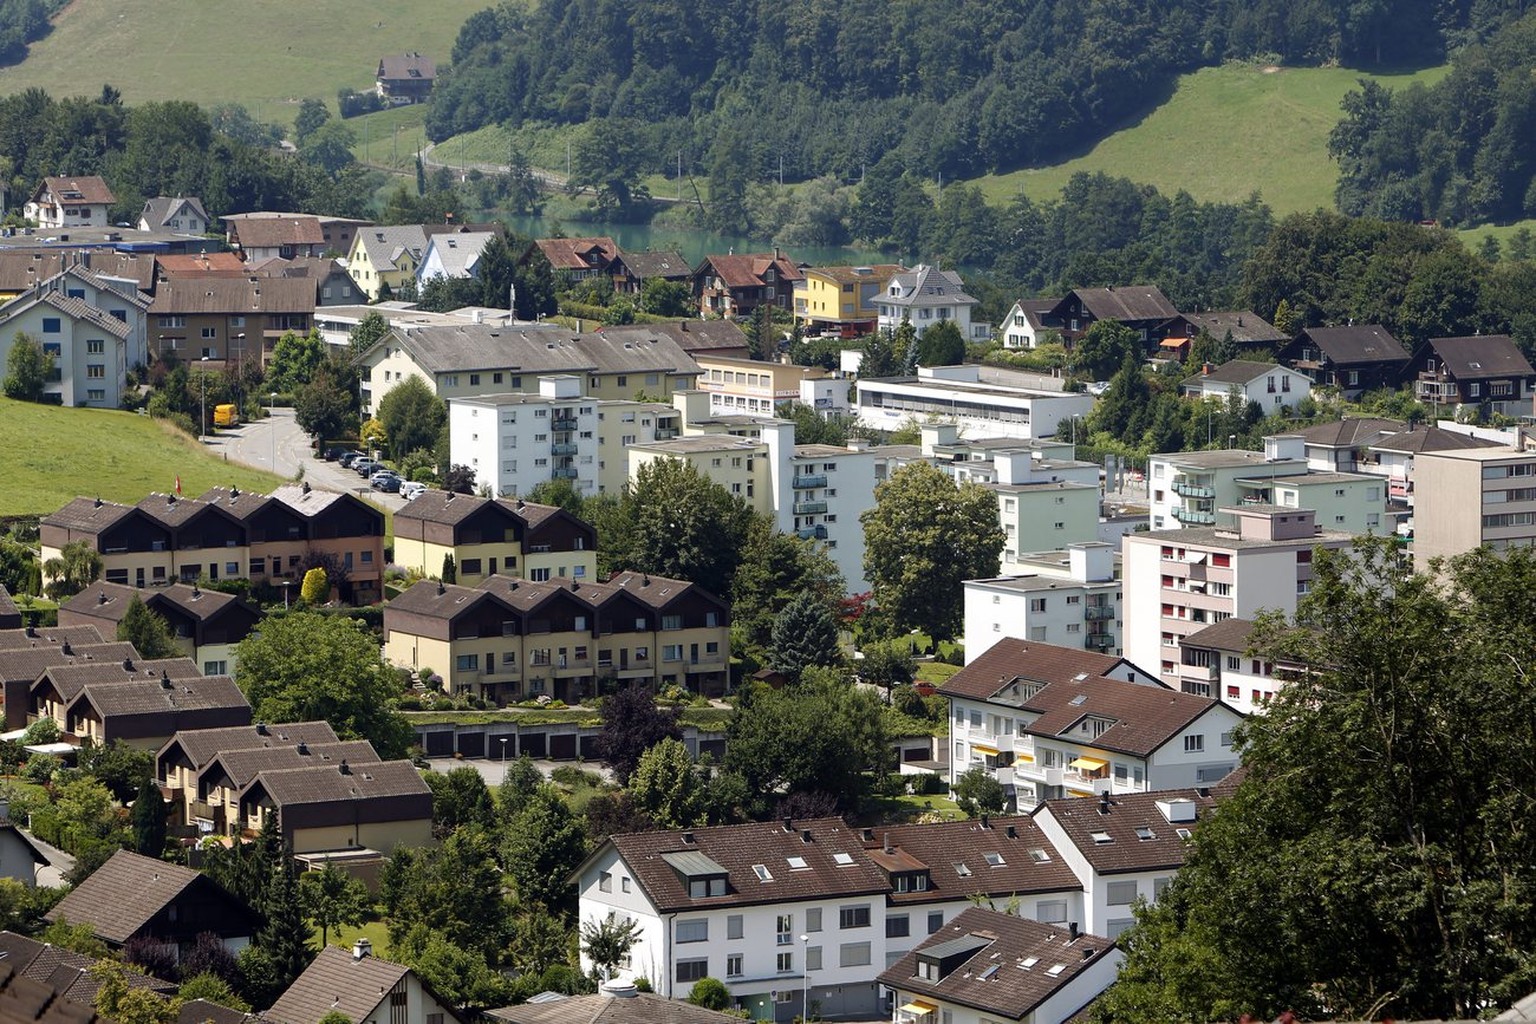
1216,662
924,295
453,255
959,395
181,215
1070,599
92,349
1027,322
66,202
1123,848
1046,723
988,967
1271,385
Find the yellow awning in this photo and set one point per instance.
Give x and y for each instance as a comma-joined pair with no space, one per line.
983,748
1092,764
917,1008
1026,758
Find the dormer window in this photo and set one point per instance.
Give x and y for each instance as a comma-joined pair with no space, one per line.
703,877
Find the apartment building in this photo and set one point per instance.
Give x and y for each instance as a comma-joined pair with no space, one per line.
509,639
1470,498
515,442
738,385
476,360
228,319
91,349
1049,722
486,537
206,624
1217,661
1187,488
1177,582
1067,598
228,534
842,299
959,395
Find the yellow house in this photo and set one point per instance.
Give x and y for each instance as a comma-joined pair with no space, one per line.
752,387
180,762
841,299
486,537
385,256
509,639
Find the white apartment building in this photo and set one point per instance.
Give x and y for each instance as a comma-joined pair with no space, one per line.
1049,722
1186,488
1072,599
514,442
1470,498
92,326
751,387
958,394
782,910
1123,848
1217,662
1177,582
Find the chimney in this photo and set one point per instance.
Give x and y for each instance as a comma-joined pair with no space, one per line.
234,492
303,749
1205,369
688,838
361,949
305,488
261,728
165,680
101,597
127,664
441,590
985,824
1104,803
1072,930
789,824
66,650
97,504
887,847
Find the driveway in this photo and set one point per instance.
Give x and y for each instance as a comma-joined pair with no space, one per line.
277,444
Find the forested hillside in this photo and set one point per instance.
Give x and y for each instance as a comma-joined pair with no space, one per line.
1460,151
953,89
21,22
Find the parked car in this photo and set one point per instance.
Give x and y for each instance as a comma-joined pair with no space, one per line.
333,453
364,467
410,490
347,458
387,482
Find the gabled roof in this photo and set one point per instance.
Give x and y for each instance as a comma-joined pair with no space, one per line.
70,679
82,311
747,271
165,697
88,515
1134,303
386,245
1130,832
110,601
125,893
449,508
926,286
1003,856
240,767
336,981
189,295
435,600
1245,326
311,502
272,231
994,978
1430,439
470,347
606,1008
202,1011
1356,345
374,780
412,66
1481,356
667,264
1143,717
194,264
34,638
1231,634
1234,371
158,212
1350,432
458,253
569,253
20,269
8,612
62,973
876,274
199,746
24,666
1012,659
84,190
735,849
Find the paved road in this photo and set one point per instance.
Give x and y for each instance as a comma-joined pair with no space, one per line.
256,444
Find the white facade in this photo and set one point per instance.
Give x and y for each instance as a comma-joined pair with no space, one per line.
955,394
1076,608
1019,329
454,255
1186,488
925,296
92,350
1177,582
1273,388
1221,666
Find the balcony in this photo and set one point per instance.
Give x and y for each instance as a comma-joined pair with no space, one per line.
812,533
562,449
563,423
1098,612
810,508
1188,490
1432,387
1099,641
1194,516
813,480
1206,673
563,473
666,433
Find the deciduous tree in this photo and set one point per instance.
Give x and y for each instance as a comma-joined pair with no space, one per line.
334,899
669,788
978,792
413,417
607,941
679,523
632,724
543,845
27,369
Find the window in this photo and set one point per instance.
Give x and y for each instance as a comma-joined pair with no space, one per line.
605,881
1051,911
1194,744
813,958
897,926
96,371
733,966
467,662
209,333
1120,894
733,926
813,919
623,880
96,395
95,347
692,970
784,930
853,917
693,930
671,622
215,668
672,652
853,954
936,921
785,963
1037,604
51,325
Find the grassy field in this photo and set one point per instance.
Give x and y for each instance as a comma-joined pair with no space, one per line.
267,54
390,138
1225,133
49,455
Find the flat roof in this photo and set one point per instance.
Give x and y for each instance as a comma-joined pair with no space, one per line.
1480,454
1309,479
1222,537
701,443
961,387
1224,458
1028,584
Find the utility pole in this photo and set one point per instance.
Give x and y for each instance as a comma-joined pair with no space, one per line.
781,170
679,175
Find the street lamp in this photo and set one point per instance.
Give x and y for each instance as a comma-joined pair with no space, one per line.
271,415
1075,417
503,755
805,990
913,635
202,377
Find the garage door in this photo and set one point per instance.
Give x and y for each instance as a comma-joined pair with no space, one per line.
472,744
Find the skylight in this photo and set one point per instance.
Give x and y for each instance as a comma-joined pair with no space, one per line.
1144,833
1056,970
762,872
962,870
988,972
1102,837
1078,700
843,860
1028,962
994,859
1183,833
797,863
1039,856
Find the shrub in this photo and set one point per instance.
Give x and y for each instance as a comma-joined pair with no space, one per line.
926,784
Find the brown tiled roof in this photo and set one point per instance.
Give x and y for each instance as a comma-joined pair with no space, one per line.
1245,326
40,963
240,504
169,509
201,1011
447,507
467,347
956,854
438,600
70,680
1482,355
656,591
20,269
410,66
1233,371
197,264
122,895
665,264
237,296
82,190
747,271
688,335
24,666
1227,635
736,848
47,636
878,273
1004,942
1145,717
562,253
533,515
1356,345
188,693
1350,431
87,515
1430,439
1134,835
639,1008
241,766
201,745
272,232
336,982
1138,302
329,784
1012,658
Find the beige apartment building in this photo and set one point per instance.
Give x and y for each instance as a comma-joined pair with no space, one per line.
1471,497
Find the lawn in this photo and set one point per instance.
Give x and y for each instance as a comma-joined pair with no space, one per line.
709,719
1224,133
390,138
49,455
376,932
887,810
267,54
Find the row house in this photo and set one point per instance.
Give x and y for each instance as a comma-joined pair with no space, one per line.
140,704
52,691
842,300
1485,371
1177,582
26,653
509,639
365,810
227,319
487,536
182,759
988,967
216,800
207,624
1043,737
228,534
734,286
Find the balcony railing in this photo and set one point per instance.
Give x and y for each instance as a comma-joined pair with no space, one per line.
812,533
1099,641
562,449
809,508
563,472
563,423
1098,612
1194,515
666,433
811,480
1193,490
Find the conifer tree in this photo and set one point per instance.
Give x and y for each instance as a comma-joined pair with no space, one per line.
804,634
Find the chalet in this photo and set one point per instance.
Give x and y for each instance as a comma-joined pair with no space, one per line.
1142,308
631,270
182,215
1353,359
734,286
261,236
1483,371
1254,337
361,987
405,78
207,624
575,259
71,202
133,897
